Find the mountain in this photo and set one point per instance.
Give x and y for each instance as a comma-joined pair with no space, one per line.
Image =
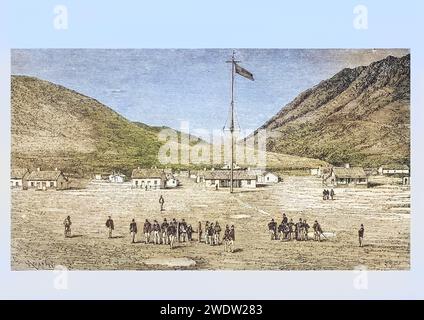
360,116
55,127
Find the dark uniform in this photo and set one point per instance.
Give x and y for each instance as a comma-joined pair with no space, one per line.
272,228
291,229
164,230
172,233
306,229
189,232
110,226
156,232
161,202
361,232
317,231
67,224
199,231
207,232
147,228
217,233
133,230
227,238
183,230
211,231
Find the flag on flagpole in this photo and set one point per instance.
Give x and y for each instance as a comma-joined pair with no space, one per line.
243,72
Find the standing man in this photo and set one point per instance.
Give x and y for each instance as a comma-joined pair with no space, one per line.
156,232
227,238
161,202
189,232
317,231
299,228
291,229
183,230
361,234
207,232
211,231
285,220
172,232
67,224
306,229
232,238
217,233
332,194
272,228
146,230
199,231
133,230
164,229
110,226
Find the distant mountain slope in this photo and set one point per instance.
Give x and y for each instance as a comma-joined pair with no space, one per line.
53,126
360,115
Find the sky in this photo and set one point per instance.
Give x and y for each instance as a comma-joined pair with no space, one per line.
163,87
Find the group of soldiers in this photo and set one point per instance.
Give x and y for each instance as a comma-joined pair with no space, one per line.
166,232
169,232
328,194
212,235
288,230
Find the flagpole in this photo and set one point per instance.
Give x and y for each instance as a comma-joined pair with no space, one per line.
232,121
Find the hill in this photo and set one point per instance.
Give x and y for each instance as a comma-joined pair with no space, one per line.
360,115
55,127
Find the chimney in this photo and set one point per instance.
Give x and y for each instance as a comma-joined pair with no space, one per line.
38,169
212,169
55,169
347,165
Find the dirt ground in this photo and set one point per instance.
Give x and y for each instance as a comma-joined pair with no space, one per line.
38,241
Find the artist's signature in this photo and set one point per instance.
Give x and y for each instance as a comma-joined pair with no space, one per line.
40,264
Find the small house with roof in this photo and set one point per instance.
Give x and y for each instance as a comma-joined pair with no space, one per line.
394,169
267,177
18,178
222,178
116,177
348,177
49,179
148,178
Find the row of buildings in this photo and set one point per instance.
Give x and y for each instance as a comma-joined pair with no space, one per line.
358,176
145,178
38,179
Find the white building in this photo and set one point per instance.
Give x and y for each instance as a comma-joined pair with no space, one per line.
394,169
116,178
171,181
18,178
222,178
148,178
267,177
43,180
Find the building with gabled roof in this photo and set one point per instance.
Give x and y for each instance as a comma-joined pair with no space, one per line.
48,179
348,177
148,178
18,177
222,178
